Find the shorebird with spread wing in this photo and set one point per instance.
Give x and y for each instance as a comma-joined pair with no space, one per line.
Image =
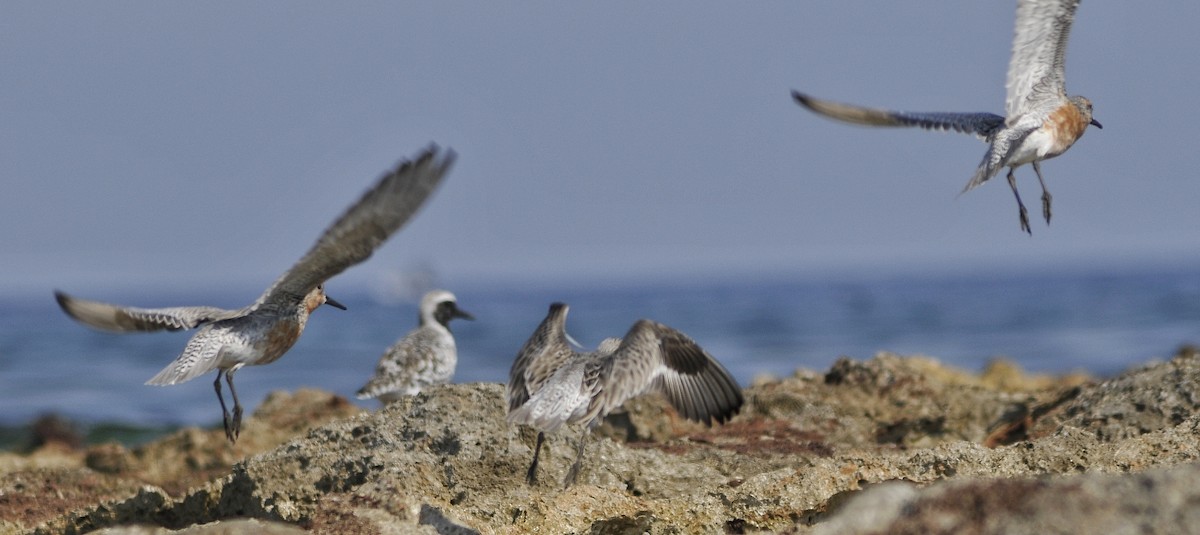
263,331
1041,121
550,384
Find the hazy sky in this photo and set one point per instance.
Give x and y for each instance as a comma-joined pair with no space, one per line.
146,143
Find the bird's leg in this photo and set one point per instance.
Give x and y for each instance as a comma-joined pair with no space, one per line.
1012,183
1045,192
573,473
224,411
232,431
531,475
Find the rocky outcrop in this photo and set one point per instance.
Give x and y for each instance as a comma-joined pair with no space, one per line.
891,444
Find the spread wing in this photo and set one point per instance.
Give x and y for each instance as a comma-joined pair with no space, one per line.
1035,72
364,226
121,319
655,356
981,125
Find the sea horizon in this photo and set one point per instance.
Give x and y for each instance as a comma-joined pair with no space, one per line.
1099,320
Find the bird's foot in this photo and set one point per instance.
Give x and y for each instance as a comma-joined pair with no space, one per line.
233,426
531,475
1025,221
1046,206
229,428
572,475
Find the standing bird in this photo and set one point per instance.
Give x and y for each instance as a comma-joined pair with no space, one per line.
1042,121
262,332
550,384
426,356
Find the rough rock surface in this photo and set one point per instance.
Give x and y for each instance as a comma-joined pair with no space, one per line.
888,445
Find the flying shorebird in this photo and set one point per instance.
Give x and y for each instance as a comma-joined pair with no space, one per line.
550,384
263,331
1042,121
426,356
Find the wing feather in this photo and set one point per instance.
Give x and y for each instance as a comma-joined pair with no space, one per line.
981,125
404,366
655,356
541,356
121,319
1035,72
381,211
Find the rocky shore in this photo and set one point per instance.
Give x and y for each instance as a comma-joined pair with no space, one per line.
887,445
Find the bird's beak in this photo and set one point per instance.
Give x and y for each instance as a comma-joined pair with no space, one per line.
460,313
333,303
1097,124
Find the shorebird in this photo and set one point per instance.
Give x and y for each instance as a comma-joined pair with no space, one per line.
263,331
426,356
550,384
1042,121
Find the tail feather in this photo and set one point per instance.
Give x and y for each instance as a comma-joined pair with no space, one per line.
197,359
982,174
527,415
986,170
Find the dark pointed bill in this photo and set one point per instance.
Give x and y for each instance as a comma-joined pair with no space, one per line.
333,303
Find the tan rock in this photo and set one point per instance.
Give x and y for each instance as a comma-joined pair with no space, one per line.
810,453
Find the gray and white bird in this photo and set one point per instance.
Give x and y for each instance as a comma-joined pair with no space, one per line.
426,356
262,332
550,384
1042,121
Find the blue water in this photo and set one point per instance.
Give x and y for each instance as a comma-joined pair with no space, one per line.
1099,322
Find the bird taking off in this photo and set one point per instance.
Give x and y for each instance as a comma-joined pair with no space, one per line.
262,332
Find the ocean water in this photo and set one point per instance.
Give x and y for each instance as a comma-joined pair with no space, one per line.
1101,322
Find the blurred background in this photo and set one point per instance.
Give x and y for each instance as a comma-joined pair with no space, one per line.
634,160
